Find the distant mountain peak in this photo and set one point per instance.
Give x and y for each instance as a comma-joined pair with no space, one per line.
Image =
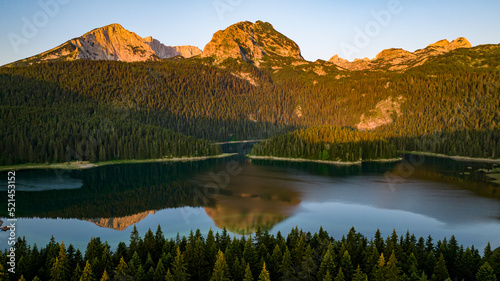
112,42
440,43
399,59
251,42
460,42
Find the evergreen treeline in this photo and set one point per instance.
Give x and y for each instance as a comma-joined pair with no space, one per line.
298,256
327,143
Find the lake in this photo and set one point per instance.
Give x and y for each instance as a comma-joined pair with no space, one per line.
425,196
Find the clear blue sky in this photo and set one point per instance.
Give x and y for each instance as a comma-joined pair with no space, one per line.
321,28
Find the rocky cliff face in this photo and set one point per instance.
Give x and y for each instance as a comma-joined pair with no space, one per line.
164,52
112,42
399,59
251,42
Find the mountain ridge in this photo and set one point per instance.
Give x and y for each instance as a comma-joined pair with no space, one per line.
399,59
110,42
255,43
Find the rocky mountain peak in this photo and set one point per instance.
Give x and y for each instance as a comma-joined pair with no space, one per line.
399,59
460,42
446,45
440,43
112,42
337,60
251,42
392,54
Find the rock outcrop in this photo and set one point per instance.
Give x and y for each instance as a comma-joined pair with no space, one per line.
384,113
164,52
112,42
399,59
250,42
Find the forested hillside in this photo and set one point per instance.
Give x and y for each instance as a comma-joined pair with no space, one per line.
297,256
329,144
43,122
107,110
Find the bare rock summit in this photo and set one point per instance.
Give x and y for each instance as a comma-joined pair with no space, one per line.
250,42
399,59
111,42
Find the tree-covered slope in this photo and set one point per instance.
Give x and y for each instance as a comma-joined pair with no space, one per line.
43,122
329,144
451,100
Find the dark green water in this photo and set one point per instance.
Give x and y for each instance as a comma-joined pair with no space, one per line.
424,196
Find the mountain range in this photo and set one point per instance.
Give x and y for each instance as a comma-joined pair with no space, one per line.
252,42
249,82
111,42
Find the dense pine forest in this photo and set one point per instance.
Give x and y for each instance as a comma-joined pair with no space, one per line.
43,123
296,256
105,110
329,144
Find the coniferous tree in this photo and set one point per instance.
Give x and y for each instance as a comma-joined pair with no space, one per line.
359,275
379,270
250,255
327,263
179,267
140,274
134,263
340,276
121,269
106,261
308,265
392,271
286,269
169,276
150,274
135,241
77,273
160,272
87,274
327,276
248,274
221,270
440,271
486,273
423,277
105,276
275,262
346,264
264,274
238,269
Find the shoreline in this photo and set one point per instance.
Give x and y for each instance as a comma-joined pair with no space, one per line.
86,165
241,141
456,158
341,163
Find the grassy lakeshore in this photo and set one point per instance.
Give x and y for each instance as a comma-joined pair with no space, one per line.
80,165
457,158
344,163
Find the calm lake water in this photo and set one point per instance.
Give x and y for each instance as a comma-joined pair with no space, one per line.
428,197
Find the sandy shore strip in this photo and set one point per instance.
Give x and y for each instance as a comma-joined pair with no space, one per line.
457,158
303,160
81,165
